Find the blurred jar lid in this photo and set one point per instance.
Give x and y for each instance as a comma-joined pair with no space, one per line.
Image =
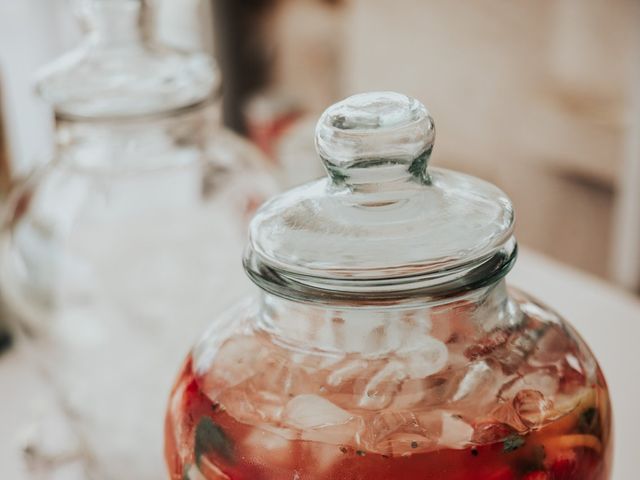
117,71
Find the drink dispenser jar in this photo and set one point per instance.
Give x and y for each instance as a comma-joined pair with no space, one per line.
384,342
115,254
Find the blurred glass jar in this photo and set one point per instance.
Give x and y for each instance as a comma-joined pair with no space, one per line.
116,253
384,343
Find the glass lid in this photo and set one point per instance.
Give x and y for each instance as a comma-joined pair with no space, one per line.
118,72
383,225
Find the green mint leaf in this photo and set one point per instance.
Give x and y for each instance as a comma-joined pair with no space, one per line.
512,443
211,438
589,421
185,471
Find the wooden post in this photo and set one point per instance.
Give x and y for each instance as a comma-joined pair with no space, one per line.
5,337
5,165
626,239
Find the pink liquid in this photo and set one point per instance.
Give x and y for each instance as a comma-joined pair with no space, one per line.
204,442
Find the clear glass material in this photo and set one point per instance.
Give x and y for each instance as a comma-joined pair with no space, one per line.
118,71
118,252
385,342
381,216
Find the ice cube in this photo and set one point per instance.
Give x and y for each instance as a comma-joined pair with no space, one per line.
280,376
520,345
388,422
392,432
439,389
408,333
383,385
268,448
312,362
321,420
415,328
477,384
346,372
456,433
572,376
544,379
573,362
329,361
429,358
268,405
254,408
237,360
411,394
551,347
377,333
351,335
375,342
313,411
404,444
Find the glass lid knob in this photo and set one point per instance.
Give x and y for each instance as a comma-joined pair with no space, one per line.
377,138
120,71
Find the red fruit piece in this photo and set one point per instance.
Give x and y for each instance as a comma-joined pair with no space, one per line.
487,345
531,406
489,473
564,466
504,473
491,432
537,475
506,414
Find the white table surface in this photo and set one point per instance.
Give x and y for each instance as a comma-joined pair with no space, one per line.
608,318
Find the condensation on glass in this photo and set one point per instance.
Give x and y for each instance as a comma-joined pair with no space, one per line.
384,342
118,252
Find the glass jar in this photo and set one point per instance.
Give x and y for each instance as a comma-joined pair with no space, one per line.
115,254
384,343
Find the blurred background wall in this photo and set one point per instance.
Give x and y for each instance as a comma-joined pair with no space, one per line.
533,96
536,97
529,95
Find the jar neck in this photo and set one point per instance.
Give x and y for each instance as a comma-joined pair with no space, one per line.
136,143
377,330
115,23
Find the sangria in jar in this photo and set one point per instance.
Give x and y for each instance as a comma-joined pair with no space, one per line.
384,343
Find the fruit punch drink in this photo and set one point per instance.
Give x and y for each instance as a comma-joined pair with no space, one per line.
384,343
515,404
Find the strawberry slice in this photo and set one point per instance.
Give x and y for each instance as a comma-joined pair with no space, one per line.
537,475
491,432
486,472
501,474
564,466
